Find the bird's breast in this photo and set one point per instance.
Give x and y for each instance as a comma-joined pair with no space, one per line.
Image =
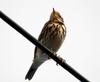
56,36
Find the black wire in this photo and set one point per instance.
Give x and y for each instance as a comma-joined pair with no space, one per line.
46,50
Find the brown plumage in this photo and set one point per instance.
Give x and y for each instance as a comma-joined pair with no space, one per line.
52,36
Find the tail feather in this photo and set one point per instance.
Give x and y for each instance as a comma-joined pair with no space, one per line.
31,72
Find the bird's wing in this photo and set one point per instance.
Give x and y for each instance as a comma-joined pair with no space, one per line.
43,35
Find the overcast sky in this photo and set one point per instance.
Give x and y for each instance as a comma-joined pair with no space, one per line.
81,48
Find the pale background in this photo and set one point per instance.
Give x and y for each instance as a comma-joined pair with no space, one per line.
81,48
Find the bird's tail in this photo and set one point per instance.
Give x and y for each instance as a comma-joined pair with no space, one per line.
31,72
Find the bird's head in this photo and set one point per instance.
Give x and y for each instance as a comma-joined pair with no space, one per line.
55,16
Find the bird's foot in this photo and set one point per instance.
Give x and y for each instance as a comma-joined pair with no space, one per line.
62,60
54,54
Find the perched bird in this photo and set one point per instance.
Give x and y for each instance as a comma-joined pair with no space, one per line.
52,36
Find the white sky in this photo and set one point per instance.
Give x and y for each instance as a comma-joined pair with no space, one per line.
81,49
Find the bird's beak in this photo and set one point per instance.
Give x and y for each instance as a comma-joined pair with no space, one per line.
53,10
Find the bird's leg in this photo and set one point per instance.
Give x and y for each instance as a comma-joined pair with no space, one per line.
62,60
53,53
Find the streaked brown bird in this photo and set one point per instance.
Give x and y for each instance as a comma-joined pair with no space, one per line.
52,36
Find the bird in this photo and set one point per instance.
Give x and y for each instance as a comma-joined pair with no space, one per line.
52,36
